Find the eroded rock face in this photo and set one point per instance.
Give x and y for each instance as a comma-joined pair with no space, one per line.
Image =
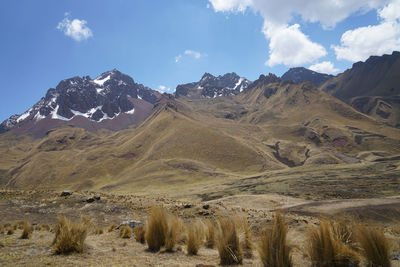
99,99
301,74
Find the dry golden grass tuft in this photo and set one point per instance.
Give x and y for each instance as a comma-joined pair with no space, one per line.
327,249
2,229
247,244
228,242
46,227
375,246
343,231
125,231
157,228
210,234
273,248
98,230
27,230
195,238
111,227
140,232
69,236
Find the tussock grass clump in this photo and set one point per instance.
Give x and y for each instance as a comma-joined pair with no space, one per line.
172,233
228,243
98,230
375,246
140,232
195,238
247,244
125,231
157,229
343,231
327,249
273,248
210,235
69,236
111,227
27,230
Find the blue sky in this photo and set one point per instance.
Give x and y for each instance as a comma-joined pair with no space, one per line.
165,43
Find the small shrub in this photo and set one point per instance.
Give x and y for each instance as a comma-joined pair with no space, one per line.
157,229
98,230
327,250
210,235
139,232
27,230
195,238
69,236
125,231
247,245
273,248
10,230
375,246
111,227
228,243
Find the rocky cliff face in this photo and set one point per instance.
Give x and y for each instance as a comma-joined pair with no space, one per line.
104,98
301,74
210,86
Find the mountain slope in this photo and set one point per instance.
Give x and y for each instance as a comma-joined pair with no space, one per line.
371,87
211,86
113,101
301,74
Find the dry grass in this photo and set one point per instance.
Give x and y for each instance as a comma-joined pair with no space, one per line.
98,230
375,246
343,231
10,230
38,228
326,249
125,231
2,229
111,227
27,230
172,233
228,243
210,234
273,248
69,236
157,229
247,244
140,232
195,238
46,227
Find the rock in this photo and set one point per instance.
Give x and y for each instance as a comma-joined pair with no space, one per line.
90,200
188,206
204,213
204,265
97,197
66,193
396,257
131,223
206,206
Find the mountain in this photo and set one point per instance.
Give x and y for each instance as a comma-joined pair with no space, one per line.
372,87
274,126
211,86
301,74
112,101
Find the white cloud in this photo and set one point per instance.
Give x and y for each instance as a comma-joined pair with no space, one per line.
190,53
289,46
278,15
76,29
324,67
164,89
359,44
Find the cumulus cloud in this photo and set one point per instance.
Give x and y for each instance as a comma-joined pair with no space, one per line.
289,46
359,44
278,15
164,89
76,29
190,53
324,67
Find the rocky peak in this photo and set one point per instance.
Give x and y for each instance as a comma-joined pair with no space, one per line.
301,74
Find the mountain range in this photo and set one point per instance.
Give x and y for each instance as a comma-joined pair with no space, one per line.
221,127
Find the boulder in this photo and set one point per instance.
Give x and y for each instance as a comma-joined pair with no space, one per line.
132,224
97,197
66,193
206,206
90,200
188,206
